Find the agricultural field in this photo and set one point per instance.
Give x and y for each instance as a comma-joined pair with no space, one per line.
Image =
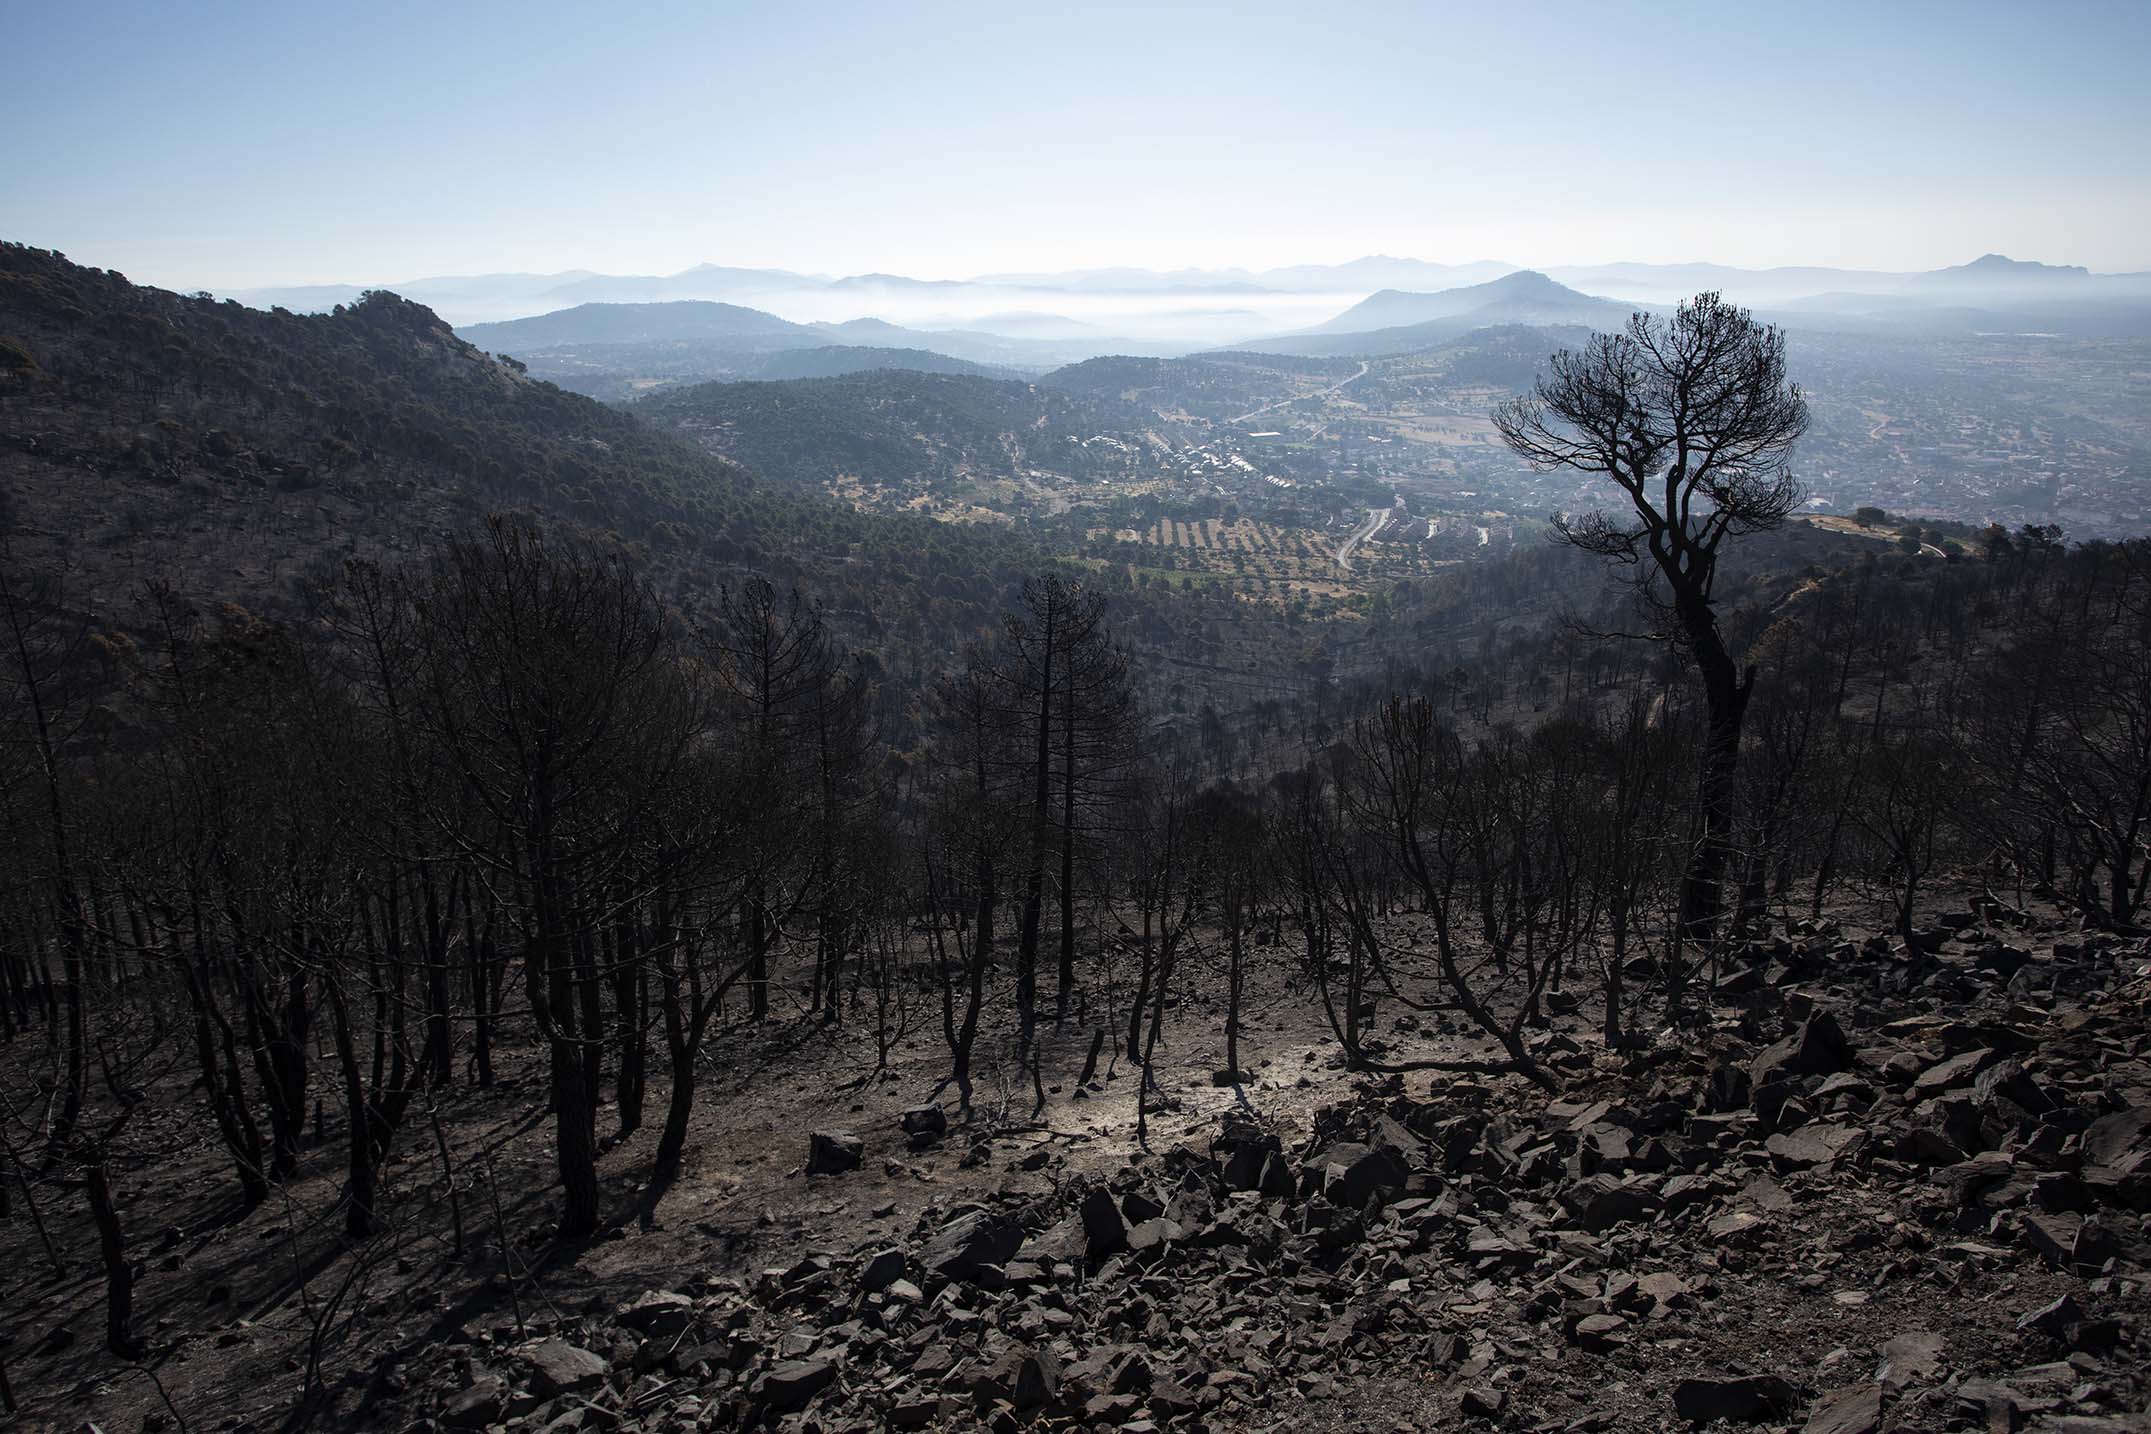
1274,563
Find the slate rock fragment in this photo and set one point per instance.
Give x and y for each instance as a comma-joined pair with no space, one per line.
1747,1398
832,1152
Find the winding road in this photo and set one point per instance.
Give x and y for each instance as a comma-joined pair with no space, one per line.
1377,519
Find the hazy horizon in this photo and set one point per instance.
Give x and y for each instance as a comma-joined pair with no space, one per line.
255,146
1014,279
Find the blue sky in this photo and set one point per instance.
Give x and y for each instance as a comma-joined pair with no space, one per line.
223,145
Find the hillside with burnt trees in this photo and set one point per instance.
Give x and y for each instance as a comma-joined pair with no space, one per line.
248,454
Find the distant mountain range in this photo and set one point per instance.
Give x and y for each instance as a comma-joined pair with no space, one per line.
617,350
1372,272
1032,321
492,298
614,350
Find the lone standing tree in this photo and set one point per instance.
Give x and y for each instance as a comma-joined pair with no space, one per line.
1693,419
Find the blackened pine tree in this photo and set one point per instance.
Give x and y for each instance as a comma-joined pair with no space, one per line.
544,681
1693,419
1057,643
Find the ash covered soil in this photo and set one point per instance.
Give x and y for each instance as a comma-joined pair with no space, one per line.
1865,1188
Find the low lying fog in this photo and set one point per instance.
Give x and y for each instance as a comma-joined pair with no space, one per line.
1219,315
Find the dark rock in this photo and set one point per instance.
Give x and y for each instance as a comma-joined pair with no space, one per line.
1811,1145
660,1314
1857,1410
1721,1129
1277,1182
2002,960
1911,1358
1021,1274
1245,1150
1953,1074
794,1383
1103,1409
832,1152
1680,1192
1777,1106
2063,1240
1922,1145
933,1364
1818,1047
2054,1192
2117,1158
970,1243
1170,1399
713,1355
1355,1172
924,1123
1104,1232
1741,981
1608,1147
1998,1406
1729,1087
1956,1120
2008,1081
1391,1134
915,1413
2129,1188
477,1407
1037,1379
2092,1336
1483,1401
557,1367
1600,1203
1736,1226
884,1270
1748,1398
2052,1320
2112,1139
1662,1291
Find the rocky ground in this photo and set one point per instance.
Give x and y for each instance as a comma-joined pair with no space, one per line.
1881,1190
1869,1189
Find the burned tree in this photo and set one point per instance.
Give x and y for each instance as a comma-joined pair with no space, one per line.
1693,419
543,682
1060,632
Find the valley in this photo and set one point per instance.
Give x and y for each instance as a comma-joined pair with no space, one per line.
1305,431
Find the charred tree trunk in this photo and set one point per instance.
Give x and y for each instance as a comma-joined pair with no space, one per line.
358,1133
1725,701
119,1276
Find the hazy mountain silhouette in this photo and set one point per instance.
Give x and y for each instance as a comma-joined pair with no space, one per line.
600,323
1525,297
1999,272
